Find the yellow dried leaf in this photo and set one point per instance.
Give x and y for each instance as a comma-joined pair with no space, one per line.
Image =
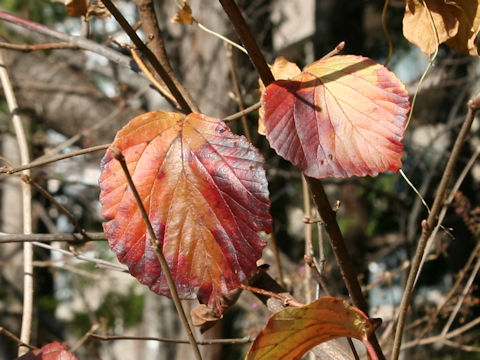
184,16
87,8
417,22
282,69
469,27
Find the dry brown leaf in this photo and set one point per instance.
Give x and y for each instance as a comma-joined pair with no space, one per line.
417,23
282,69
469,27
87,8
184,16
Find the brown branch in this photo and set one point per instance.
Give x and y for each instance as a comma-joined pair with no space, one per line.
254,52
69,238
146,10
316,187
35,163
431,222
238,92
244,112
59,206
284,299
36,47
116,153
181,98
244,340
82,43
15,338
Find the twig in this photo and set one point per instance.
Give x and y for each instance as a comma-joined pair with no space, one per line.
238,92
59,206
15,338
248,41
284,299
27,209
335,51
36,47
244,340
116,153
276,257
81,42
71,238
316,187
385,31
244,112
441,338
143,67
85,337
186,105
148,17
50,160
459,302
307,212
99,262
429,224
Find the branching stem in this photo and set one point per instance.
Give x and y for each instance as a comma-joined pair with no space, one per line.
116,153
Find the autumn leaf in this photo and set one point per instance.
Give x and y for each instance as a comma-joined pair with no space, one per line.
282,69
342,116
456,23
290,333
52,351
184,15
469,26
206,195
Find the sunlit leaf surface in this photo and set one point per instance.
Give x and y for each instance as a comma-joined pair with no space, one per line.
341,116
290,333
206,195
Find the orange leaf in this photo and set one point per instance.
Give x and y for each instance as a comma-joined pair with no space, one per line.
417,22
282,69
342,116
51,351
469,26
290,333
184,15
206,196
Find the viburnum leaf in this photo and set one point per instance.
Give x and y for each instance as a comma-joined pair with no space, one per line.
342,116
293,331
282,69
206,196
52,351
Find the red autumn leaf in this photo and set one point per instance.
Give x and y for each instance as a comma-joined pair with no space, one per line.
290,333
206,196
52,351
342,116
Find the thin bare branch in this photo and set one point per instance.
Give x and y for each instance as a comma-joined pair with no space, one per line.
431,222
15,338
27,209
184,102
116,153
69,238
81,42
37,47
34,164
244,340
